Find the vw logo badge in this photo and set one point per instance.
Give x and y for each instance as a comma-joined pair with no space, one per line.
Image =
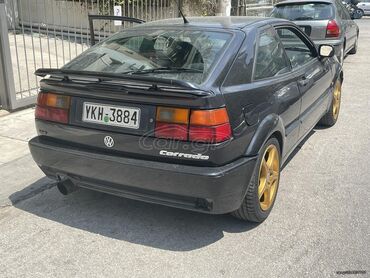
108,141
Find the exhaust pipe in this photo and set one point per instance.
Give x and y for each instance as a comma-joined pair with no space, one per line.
65,185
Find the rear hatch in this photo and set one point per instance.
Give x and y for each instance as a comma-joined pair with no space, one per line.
311,17
141,88
127,112
316,30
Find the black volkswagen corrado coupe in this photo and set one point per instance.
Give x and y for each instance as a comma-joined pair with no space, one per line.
197,115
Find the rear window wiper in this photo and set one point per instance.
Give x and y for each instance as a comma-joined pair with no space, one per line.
162,70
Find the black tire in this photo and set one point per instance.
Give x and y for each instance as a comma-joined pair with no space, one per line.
354,49
359,13
250,209
331,117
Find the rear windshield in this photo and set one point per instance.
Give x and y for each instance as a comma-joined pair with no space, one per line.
187,55
304,11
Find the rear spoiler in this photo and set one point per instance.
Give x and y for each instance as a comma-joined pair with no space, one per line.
150,83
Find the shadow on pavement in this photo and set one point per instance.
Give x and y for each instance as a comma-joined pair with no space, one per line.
133,221
300,145
31,190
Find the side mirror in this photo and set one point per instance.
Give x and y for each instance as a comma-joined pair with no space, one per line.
326,51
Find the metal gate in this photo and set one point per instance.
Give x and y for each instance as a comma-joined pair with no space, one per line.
49,33
252,7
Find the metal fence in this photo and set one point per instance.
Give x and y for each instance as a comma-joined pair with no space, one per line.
252,7
49,33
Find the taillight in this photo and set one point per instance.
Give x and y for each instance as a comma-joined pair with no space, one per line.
210,126
171,131
172,123
52,107
332,29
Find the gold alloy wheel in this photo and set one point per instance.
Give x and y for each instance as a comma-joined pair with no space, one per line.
268,177
336,99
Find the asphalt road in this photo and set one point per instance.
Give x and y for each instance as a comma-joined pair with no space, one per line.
319,225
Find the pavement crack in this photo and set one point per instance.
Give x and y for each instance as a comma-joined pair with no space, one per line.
12,138
14,160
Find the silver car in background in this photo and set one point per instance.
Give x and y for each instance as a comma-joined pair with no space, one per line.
324,21
365,6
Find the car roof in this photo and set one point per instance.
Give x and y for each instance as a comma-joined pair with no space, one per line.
221,22
287,2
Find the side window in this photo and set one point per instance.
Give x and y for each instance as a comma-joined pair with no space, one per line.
270,58
297,50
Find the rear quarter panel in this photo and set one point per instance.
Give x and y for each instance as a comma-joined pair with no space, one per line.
258,109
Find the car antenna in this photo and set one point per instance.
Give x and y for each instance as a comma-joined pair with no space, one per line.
181,13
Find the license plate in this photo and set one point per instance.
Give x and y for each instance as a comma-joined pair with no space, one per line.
128,117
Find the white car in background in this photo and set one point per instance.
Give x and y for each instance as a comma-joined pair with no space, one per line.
365,6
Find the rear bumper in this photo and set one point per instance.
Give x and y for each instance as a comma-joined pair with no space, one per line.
208,189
